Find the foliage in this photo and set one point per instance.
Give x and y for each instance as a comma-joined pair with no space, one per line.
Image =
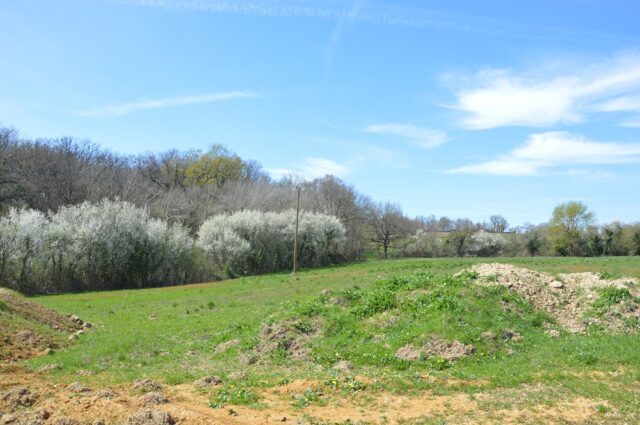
235,396
610,296
254,242
485,244
107,245
567,223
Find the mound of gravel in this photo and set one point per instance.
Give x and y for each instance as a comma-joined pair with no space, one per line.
568,298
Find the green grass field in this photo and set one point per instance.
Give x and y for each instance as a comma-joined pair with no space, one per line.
171,335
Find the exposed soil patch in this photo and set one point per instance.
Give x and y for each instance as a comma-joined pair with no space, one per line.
19,397
146,385
450,350
224,346
569,298
26,417
151,417
29,310
207,381
290,336
526,404
435,347
21,327
154,398
409,352
384,319
78,388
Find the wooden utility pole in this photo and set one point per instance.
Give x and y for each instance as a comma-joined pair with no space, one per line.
295,237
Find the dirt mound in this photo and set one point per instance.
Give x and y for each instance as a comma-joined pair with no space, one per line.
409,352
207,381
450,350
106,393
344,366
78,388
151,417
24,327
575,300
20,306
291,336
26,417
154,397
435,347
224,346
19,397
146,385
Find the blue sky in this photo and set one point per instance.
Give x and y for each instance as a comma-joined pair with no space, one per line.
459,108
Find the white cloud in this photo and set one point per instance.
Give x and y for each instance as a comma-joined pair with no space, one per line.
167,102
423,137
312,168
500,98
627,103
554,149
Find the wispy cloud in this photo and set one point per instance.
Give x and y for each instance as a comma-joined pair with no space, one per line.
544,98
633,122
554,149
167,102
312,168
620,104
339,29
385,13
422,137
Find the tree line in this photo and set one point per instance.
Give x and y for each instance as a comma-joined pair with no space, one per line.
116,245
570,231
194,215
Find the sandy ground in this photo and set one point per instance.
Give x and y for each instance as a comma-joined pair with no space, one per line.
188,405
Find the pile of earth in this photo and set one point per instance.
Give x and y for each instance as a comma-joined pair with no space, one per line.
575,300
435,347
28,328
19,405
290,336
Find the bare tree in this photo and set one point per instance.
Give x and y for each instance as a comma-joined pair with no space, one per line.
387,224
498,224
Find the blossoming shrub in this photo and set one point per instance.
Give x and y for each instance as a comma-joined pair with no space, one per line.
485,244
254,242
108,245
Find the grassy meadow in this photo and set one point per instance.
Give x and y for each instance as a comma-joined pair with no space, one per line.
362,313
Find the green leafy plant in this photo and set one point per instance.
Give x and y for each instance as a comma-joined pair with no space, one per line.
235,396
308,397
609,297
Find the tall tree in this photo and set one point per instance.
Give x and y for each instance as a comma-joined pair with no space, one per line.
498,224
568,222
387,224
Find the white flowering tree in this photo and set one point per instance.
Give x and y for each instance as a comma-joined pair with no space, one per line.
486,244
260,242
111,244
